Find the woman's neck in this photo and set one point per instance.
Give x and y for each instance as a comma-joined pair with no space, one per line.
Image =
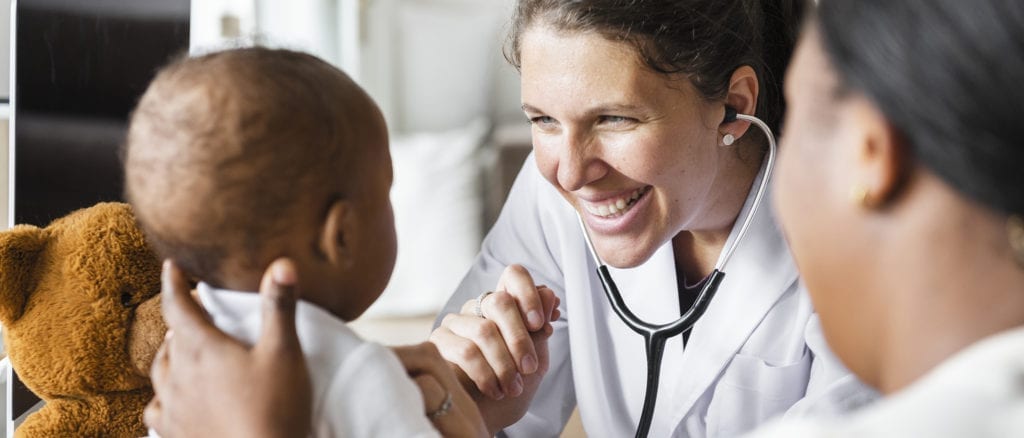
948,280
697,249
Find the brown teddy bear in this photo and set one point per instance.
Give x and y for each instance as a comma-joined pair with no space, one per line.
80,307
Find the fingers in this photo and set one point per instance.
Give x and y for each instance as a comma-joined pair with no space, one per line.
517,282
430,372
502,309
152,415
550,303
278,293
433,393
445,401
182,313
465,354
426,358
180,310
158,370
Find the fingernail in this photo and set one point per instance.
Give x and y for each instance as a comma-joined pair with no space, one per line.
168,335
534,319
529,364
517,386
497,394
282,275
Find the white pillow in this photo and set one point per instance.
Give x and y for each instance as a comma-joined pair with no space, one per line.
437,199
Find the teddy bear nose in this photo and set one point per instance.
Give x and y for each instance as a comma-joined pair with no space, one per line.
126,299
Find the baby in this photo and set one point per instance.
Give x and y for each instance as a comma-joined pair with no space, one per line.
236,158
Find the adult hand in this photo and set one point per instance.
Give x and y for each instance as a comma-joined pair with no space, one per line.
445,401
502,356
208,384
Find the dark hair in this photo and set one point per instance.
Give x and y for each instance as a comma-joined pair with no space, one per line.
949,76
226,151
706,40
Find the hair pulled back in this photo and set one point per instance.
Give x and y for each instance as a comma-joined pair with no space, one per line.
705,40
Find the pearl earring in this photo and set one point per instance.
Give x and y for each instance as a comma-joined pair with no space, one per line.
728,139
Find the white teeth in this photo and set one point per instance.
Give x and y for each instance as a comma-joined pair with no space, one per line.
616,206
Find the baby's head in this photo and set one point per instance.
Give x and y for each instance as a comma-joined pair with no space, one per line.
236,158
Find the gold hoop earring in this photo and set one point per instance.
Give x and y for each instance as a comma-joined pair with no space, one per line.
1015,229
861,195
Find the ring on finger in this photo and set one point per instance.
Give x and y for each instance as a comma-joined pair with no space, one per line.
446,406
478,309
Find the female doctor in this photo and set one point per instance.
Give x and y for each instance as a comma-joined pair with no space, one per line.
628,102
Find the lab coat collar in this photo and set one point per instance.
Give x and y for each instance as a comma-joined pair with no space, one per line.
758,274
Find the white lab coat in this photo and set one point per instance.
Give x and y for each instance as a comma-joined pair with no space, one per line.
755,353
976,393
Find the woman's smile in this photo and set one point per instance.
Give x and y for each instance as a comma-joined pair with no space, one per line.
613,213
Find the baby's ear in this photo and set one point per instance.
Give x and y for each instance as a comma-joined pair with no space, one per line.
339,227
19,249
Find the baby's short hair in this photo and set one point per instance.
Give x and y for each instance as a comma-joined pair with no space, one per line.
225,151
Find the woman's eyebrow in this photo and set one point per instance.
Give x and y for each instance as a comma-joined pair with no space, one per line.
607,108
530,109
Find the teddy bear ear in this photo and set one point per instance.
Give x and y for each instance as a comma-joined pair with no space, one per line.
19,250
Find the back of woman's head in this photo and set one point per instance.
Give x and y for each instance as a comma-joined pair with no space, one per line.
705,40
949,76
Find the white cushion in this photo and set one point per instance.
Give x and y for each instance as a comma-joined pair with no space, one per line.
437,199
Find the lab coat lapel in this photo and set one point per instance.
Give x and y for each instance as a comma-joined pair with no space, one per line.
758,274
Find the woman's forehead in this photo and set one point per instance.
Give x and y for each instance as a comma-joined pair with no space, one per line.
585,68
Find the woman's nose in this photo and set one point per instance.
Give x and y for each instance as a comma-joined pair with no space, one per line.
579,162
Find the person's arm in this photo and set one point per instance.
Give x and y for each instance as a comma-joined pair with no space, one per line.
521,250
208,384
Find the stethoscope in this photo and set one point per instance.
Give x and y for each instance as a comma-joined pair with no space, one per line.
655,335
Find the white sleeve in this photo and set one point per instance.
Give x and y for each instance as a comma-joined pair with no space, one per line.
832,390
371,395
524,234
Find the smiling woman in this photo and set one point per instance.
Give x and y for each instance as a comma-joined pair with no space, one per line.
628,104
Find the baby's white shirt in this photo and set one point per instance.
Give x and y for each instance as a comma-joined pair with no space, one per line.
360,389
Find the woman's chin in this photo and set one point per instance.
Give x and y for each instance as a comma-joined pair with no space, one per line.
626,256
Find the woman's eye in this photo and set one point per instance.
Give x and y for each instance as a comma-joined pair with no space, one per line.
542,121
616,120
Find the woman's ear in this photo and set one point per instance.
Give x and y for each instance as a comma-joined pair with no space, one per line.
339,225
742,97
881,154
